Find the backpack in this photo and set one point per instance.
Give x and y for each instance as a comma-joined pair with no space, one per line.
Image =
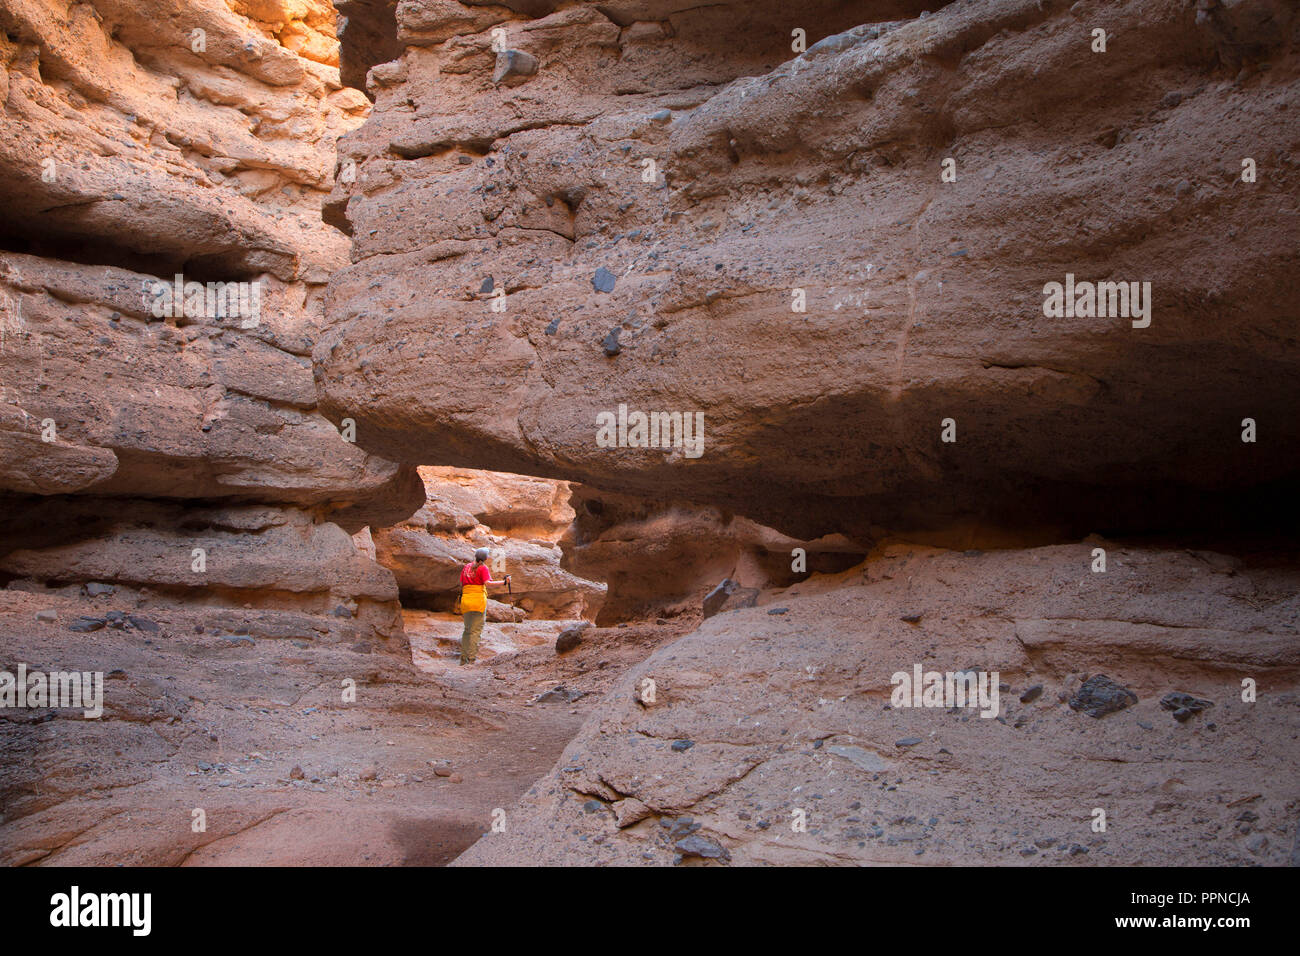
458,607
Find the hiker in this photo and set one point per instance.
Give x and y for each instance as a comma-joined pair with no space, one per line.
474,581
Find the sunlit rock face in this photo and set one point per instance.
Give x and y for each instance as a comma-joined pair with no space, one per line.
687,216
520,520
164,165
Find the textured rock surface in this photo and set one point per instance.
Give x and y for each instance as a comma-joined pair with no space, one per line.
141,141
827,262
822,172
255,556
518,518
758,715
130,138
145,408
194,718
661,558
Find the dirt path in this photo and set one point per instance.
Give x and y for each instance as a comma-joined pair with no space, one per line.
257,737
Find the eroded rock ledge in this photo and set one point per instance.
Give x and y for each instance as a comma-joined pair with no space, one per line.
139,143
822,172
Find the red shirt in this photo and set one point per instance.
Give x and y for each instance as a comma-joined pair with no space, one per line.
475,574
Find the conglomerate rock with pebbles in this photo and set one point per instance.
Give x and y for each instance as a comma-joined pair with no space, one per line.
773,734
837,264
823,237
674,212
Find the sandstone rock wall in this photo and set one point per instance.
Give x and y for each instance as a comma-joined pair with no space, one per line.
823,172
253,557
140,142
662,557
841,257
541,236
519,519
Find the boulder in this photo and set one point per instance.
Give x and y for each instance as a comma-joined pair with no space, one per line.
729,596
1099,696
569,638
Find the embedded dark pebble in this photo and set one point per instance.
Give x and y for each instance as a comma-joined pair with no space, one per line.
610,343
1099,696
1184,706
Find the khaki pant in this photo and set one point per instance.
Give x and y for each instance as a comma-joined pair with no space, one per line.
469,639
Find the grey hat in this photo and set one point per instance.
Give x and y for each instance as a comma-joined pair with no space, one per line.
481,554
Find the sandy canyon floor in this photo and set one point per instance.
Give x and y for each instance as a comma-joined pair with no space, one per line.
254,732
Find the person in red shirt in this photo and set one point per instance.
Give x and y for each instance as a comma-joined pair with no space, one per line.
474,581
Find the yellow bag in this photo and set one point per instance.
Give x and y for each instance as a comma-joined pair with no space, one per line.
473,597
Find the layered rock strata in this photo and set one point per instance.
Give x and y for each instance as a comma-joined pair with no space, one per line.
164,166
840,258
519,519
